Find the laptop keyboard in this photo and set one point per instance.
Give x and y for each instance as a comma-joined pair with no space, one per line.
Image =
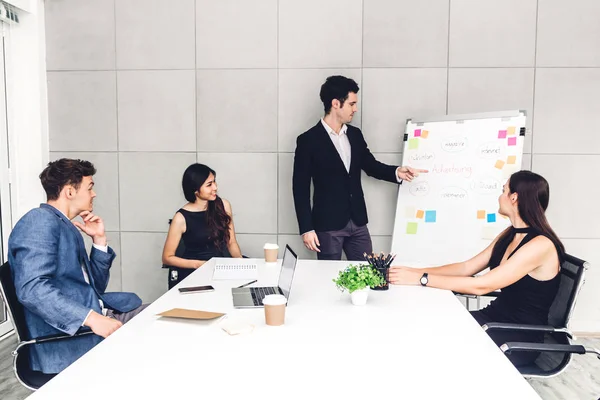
259,293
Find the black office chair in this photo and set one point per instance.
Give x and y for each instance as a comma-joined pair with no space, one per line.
28,377
556,350
173,280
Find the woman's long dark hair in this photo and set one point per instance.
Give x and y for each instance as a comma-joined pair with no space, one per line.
217,218
534,194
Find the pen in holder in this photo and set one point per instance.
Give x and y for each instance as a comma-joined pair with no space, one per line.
381,263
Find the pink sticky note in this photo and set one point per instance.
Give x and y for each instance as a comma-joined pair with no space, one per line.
512,141
417,132
501,134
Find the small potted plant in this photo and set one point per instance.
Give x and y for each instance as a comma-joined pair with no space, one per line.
357,279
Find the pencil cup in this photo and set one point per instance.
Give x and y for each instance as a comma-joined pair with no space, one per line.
274,309
271,250
386,275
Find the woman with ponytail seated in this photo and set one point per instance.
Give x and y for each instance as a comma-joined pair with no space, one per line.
205,224
524,263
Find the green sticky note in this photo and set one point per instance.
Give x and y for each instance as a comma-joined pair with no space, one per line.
413,144
411,228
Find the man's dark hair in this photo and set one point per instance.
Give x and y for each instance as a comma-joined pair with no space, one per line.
64,172
336,87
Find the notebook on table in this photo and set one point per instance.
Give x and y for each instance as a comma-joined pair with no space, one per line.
235,271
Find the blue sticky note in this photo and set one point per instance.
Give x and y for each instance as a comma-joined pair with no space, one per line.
491,217
430,216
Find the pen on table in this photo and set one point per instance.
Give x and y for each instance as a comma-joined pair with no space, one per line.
246,284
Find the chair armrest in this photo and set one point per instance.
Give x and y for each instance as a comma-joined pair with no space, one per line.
52,338
526,328
61,336
542,347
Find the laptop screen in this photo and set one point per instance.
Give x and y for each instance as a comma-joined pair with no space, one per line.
287,271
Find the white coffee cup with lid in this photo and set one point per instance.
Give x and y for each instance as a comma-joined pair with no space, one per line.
271,250
274,309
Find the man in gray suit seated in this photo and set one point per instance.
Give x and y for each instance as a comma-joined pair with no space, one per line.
60,287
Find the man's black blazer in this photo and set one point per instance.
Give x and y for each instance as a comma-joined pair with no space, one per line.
338,195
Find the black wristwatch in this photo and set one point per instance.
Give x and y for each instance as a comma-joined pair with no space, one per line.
424,279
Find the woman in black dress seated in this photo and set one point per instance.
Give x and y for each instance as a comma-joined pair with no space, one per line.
205,224
524,263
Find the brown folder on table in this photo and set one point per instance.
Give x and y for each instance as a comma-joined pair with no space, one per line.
190,314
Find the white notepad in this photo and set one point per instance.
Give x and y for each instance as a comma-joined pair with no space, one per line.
235,271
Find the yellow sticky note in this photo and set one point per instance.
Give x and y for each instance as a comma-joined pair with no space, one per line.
510,131
511,160
410,212
499,164
480,214
420,214
424,134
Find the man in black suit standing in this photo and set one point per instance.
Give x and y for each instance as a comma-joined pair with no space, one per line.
332,154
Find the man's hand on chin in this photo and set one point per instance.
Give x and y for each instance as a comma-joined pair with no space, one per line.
93,226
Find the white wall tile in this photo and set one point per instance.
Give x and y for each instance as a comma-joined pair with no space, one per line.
300,107
236,33
390,96
567,111
150,189
106,184
80,35
318,34
153,34
142,271
82,111
526,162
587,309
381,198
568,33
249,182
573,210
286,211
381,243
405,33
157,110
237,110
492,33
252,245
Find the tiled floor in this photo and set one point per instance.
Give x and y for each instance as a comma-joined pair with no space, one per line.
581,380
10,388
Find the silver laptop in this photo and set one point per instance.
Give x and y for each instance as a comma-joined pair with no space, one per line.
251,297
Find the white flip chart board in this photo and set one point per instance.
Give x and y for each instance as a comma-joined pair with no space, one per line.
451,213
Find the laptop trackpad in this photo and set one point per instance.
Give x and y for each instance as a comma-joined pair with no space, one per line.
242,300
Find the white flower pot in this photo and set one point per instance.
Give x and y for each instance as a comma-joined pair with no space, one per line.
359,297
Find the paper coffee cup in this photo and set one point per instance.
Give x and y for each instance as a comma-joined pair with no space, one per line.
274,309
271,250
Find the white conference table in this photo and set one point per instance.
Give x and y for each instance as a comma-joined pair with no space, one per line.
406,343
